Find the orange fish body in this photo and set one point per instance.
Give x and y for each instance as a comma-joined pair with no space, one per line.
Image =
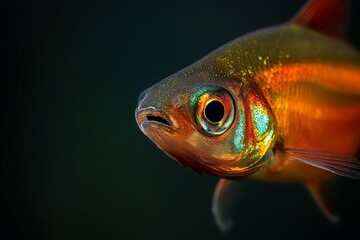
321,90
277,105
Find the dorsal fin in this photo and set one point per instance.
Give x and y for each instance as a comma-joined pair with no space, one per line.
325,16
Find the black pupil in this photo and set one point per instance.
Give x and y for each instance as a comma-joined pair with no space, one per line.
214,111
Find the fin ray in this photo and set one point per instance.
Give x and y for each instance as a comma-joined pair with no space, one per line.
326,16
342,165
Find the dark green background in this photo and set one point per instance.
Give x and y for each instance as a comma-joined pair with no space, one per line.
74,164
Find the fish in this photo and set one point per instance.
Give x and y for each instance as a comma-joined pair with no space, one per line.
279,105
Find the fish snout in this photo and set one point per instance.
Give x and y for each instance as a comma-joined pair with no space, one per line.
154,114
147,114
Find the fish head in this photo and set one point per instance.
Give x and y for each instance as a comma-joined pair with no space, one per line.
208,121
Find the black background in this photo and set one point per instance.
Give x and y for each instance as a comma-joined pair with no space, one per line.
74,164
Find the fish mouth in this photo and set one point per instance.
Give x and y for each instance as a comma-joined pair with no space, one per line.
157,119
151,116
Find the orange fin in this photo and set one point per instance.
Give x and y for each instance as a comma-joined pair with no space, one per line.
341,165
326,16
222,203
318,192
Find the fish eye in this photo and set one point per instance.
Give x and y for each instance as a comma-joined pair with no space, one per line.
213,107
214,111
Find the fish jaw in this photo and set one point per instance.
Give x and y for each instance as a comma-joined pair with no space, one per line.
160,120
156,125
168,136
148,117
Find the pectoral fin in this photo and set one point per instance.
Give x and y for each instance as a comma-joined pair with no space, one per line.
318,191
339,164
222,203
